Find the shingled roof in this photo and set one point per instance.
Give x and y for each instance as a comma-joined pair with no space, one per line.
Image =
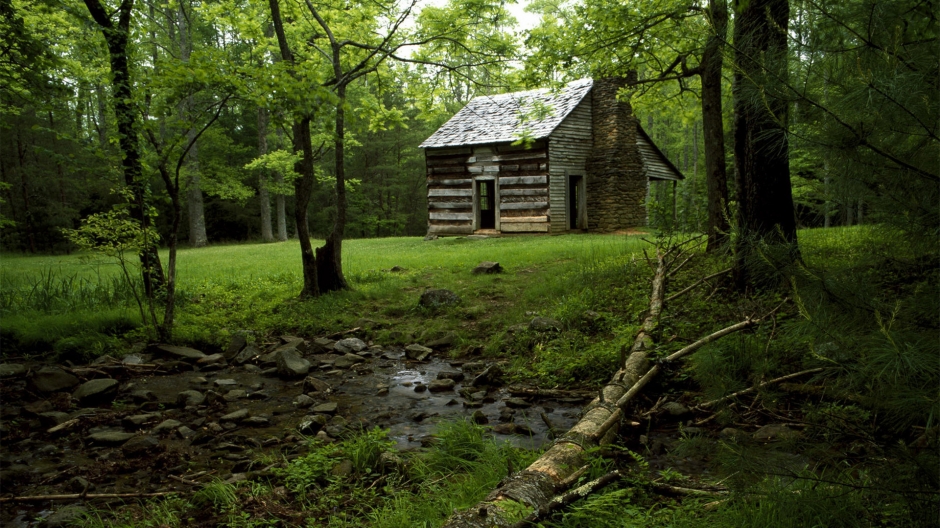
500,118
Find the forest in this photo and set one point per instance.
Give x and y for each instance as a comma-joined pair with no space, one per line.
213,275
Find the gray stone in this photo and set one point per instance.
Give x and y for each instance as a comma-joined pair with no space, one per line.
771,432
323,345
290,364
438,298
38,407
53,418
225,383
133,359
190,397
214,359
517,403
445,341
235,395
256,421
236,416
479,418
350,345
185,432
64,516
80,484
12,370
96,391
544,324
419,388
441,385
348,360
476,237
428,238
254,369
342,469
303,401
138,420
179,352
312,384
455,375
166,425
490,376
487,267
235,345
417,352
142,396
675,409
140,445
53,379
311,424
110,437
397,269
325,408
246,354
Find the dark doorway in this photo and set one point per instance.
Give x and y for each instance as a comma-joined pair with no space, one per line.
486,190
575,191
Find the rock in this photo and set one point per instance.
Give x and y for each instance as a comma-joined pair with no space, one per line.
487,267
505,428
53,418
96,391
419,388
346,361
675,409
517,403
479,418
473,366
178,352
291,365
692,431
771,432
397,269
235,345
142,396
441,385
64,516
417,352
166,425
214,359
506,415
110,437
312,424
455,375
38,407
516,328
391,463
445,341
303,401
544,324
53,379
490,376
80,484
185,432
312,384
236,416
140,445
245,355
476,237
256,421
323,345
12,370
254,369
343,469
133,359
325,408
225,383
235,395
438,298
190,397
428,238
138,420
350,345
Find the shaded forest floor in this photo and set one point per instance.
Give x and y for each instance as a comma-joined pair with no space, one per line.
851,444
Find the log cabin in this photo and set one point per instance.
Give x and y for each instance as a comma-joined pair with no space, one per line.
584,163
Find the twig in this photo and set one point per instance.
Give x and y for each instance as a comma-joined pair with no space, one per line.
344,332
696,283
563,500
762,385
185,481
74,496
661,486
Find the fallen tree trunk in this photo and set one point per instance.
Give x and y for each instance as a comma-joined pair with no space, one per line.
552,473
536,485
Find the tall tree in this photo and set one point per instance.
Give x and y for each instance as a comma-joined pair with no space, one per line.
761,154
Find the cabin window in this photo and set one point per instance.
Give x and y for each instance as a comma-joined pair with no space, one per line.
576,203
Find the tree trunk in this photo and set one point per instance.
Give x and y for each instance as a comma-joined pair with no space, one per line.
330,255
716,179
116,37
762,169
280,203
263,197
194,204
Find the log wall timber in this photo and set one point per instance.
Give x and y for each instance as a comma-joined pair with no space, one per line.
536,485
569,147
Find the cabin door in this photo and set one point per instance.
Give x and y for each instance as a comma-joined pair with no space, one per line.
576,203
486,203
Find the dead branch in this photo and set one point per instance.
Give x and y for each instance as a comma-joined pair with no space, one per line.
676,490
550,393
76,496
762,385
695,284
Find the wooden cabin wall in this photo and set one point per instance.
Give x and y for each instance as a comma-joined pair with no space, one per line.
521,176
569,147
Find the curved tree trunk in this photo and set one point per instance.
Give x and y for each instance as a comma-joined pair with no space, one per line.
330,255
716,177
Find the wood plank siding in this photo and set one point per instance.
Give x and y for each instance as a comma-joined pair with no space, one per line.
568,149
520,177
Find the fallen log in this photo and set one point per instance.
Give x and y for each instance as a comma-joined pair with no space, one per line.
77,496
550,393
572,496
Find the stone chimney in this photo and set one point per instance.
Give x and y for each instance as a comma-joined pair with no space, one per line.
615,183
